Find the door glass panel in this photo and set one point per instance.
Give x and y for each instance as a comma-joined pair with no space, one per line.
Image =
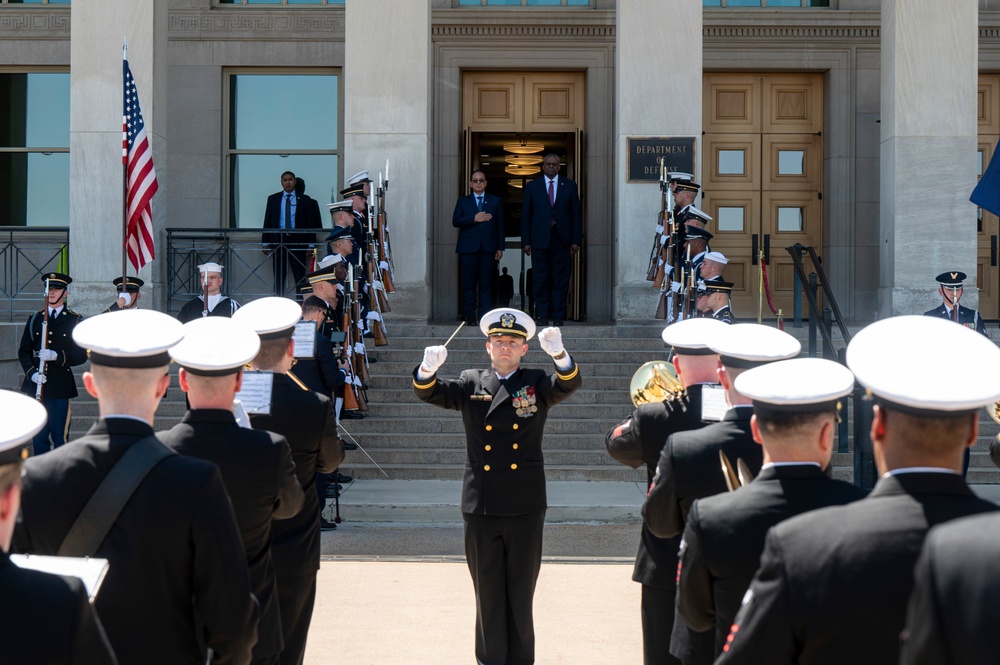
790,162
730,218
731,162
790,220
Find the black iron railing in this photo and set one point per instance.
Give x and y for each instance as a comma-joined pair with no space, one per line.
25,254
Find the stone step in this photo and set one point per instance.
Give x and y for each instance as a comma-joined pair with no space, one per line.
451,369
553,472
556,457
396,394
459,359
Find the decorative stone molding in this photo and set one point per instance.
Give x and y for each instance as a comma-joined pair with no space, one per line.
259,25
34,23
529,31
796,32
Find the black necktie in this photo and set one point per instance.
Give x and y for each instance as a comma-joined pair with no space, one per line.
52,314
479,203
288,212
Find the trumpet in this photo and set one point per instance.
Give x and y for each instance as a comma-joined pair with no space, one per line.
655,381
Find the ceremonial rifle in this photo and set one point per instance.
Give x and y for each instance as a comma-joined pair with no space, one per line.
204,289
352,399
384,250
374,289
44,344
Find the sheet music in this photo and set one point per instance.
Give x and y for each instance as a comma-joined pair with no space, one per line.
713,403
91,571
304,340
255,395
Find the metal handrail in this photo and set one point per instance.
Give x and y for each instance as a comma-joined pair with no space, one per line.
26,253
815,313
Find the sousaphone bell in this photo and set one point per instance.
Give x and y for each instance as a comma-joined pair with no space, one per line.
655,381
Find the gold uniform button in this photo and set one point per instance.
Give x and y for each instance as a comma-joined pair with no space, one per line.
489,428
489,448
513,467
515,425
486,468
515,446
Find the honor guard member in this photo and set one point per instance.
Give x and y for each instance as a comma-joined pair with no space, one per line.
343,217
697,240
307,421
694,217
218,304
44,619
689,463
953,613
713,299
359,206
128,297
796,405
177,580
685,190
60,354
833,585
504,409
951,289
360,178
256,466
713,265
637,441
326,284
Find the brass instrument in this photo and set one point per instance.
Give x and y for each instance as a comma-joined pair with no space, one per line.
738,478
994,412
655,381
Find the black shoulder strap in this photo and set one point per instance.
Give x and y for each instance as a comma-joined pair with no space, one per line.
106,504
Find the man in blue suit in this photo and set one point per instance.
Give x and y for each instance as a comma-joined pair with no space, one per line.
551,233
479,216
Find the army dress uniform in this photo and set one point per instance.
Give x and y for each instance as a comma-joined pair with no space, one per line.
503,491
132,286
725,314
953,614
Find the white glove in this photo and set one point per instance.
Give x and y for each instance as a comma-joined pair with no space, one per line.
39,378
127,297
675,287
550,339
48,355
434,357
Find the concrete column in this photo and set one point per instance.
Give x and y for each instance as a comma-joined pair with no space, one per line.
96,139
387,115
928,150
659,86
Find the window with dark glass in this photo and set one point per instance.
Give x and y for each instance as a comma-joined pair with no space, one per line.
281,2
34,148
523,3
766,3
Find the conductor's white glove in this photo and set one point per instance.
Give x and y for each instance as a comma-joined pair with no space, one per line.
39,378
434,357
48,355
550,339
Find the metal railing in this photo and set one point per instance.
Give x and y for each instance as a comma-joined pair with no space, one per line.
26,253
249,271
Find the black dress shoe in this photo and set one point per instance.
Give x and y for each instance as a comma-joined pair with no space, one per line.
558,323
326,526
350,446
341,478
351,415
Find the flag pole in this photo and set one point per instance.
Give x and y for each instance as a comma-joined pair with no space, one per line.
124,172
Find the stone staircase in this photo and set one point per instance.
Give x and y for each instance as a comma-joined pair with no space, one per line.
410,440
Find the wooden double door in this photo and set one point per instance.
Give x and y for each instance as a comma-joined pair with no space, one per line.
762,180
987,224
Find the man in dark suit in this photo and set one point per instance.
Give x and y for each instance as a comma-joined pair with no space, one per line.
61,354
953,613
833,584
44,619
307,421
479,218
638,441
256,466
551,233
689,469
796,406
289,210
951,288
177,581
503,494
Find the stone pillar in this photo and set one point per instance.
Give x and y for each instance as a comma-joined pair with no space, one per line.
659,90
387,114
96,140
928,151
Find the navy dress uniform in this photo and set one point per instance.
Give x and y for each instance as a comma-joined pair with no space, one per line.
637,441
689,469
306,419
59,383
256,466
833,585
724,534
951,286
218,304
953,614
177,582
504,410
44,619
130,293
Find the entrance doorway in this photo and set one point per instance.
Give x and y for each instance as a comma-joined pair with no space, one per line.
763,178
987,224
524,108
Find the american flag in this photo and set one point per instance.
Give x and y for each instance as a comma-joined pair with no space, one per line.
137,156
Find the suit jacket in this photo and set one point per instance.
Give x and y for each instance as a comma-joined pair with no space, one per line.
638,440
177,580
60,382
724,537
483,237
967,317
689,469
833,584
306,217
193,308
48,620
307,421
505,474
537,215
953,613
259,475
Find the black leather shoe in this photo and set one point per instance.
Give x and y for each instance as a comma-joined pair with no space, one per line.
558,323
326,526
350,446
351,415
341,478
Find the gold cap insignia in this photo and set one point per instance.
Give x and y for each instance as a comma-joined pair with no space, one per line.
507,320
